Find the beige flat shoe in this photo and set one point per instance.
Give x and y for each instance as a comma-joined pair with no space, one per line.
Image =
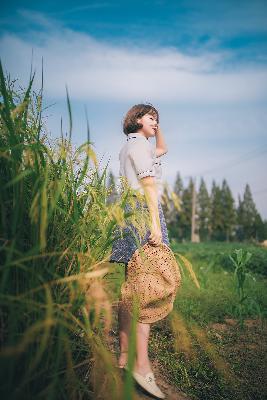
148,383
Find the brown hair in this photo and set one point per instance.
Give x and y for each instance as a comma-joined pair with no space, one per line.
138,111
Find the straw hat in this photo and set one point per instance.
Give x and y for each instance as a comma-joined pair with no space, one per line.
152,277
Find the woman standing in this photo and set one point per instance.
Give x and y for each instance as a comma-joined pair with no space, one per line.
142,170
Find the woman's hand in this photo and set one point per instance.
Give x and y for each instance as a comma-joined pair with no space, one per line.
161,147
155,238
151,194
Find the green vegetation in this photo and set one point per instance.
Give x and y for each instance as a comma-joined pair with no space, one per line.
56,232
217,217
58,289
225,351
218,282
215,255
203,347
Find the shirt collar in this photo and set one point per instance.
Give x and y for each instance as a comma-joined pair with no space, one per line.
134,135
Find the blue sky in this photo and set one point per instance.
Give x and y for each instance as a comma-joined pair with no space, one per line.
202,64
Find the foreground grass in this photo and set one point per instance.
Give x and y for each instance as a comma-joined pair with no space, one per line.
56,232
201,347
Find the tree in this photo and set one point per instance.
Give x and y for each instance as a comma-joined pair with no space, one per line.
178,185
204,211
186,212
260,229
248,217
228,212
111,186
172,214
240,218
216,213
168,206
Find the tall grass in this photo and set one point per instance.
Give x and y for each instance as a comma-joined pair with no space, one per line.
57,228
56,232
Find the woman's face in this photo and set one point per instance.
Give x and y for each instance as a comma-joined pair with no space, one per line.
149,123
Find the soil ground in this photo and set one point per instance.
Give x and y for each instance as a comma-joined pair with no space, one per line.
245,350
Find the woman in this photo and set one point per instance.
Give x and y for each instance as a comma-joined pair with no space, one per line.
142,170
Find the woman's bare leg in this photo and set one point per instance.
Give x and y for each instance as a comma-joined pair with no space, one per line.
142,363
124,319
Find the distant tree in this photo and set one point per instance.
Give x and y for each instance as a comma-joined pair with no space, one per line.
169,205
217,232
111,186
264,233
247,217
186,211
216,215
228,212
204,211
111,180
260,229
176,224
178,185
240,218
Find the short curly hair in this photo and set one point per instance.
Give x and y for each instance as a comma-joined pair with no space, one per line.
137,111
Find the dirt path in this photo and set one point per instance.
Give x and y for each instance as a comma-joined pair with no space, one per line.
171,392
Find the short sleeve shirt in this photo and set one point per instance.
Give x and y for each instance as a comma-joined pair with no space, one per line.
138,160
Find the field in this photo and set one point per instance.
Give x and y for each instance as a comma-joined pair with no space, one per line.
202,349
58,296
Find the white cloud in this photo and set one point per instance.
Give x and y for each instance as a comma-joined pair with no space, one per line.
93,69
209,114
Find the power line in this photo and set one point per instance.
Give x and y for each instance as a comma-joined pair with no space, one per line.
260,191
243,158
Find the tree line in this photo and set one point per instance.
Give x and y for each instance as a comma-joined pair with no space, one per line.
215,216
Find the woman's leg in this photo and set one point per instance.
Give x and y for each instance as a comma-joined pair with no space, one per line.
142,363
124,320
124,329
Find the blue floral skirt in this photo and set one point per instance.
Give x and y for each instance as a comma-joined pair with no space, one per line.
125,245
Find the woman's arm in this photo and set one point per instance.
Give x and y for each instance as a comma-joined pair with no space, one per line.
161,147
151,194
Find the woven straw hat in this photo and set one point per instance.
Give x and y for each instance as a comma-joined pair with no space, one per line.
152,278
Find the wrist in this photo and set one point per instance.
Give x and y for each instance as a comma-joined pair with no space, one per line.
155,222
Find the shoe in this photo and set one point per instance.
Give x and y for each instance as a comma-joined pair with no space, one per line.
148,383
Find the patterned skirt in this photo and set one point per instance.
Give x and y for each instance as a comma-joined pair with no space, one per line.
152,273
124,247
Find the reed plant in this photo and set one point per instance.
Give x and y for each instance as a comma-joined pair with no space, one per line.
57,228
56,232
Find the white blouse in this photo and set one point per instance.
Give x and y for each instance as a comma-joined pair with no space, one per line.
138,159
